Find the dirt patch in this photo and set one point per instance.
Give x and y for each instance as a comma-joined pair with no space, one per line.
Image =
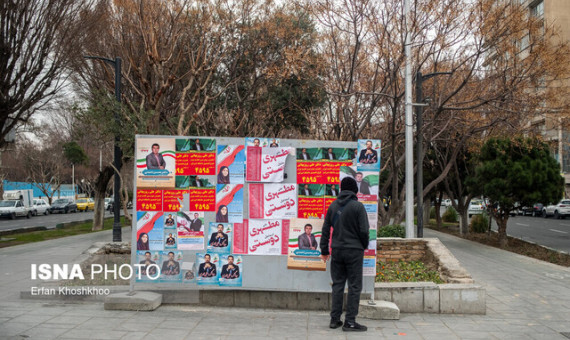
515,245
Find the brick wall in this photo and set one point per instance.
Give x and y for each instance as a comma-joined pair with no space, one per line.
396,249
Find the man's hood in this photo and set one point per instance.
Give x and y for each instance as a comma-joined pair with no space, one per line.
346,196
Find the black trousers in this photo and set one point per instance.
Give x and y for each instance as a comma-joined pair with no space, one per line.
346,265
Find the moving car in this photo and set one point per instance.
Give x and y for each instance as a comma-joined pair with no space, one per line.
476,207
534,210
84,204
63,205
40,206
560,210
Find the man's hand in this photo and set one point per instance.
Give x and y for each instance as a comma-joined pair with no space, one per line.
325,258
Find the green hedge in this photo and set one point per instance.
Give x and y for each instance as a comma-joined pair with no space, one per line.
450,215
394,230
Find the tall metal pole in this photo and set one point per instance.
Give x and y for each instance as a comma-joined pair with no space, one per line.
409,128
419,156
117,233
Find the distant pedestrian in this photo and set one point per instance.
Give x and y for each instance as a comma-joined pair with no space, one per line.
349,220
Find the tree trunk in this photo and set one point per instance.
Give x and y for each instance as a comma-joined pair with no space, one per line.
101,184
502,226
463,222
426,211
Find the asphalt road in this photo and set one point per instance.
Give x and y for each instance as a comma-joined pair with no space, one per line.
544,231
49,221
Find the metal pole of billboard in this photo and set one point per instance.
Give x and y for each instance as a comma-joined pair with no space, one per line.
409,128
117,236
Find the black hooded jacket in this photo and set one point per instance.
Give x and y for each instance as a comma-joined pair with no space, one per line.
351,229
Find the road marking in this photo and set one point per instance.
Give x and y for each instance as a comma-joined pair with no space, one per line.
558,231
524,225
565,224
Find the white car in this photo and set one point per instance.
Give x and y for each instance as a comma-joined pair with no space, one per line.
40,206
560,210
108,202
475,208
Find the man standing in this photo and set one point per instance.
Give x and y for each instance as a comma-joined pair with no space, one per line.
368,155
349,220
307,239
230,270
207,269
198,146
155,160
363,186
196,224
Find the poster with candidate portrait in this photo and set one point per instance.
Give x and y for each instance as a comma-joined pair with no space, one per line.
170,266
220,237
195,156
231,270
231,164
150,230
304,237
156,162
188,272
229,203
272,201
367,182
170,239
148,269
190,230
262,142
208,268
369,155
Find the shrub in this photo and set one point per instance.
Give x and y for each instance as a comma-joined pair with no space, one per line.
432,213
394,230
479,223
450,215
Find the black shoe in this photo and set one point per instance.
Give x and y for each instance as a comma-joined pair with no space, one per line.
335,324
354,327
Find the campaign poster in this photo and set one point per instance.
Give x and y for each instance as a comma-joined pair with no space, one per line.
148,269
266,164
330,171
230,274
229,203
337,154
369,265
172,200
265,237
262,142
304,237
149,200
150,230
188,272
203,199
369,155
182,182
309,154
311,201
367,182
190,230
272,201
231,164
220,237
196,156
170,267
208,268
156,162
170,239
332,190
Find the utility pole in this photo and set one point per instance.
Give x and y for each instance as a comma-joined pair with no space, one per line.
409,128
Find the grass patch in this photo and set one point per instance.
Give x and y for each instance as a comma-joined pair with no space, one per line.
44,235
413,271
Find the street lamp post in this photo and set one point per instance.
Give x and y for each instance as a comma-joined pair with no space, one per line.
419,146
117,236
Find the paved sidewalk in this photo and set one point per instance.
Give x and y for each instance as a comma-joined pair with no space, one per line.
526,299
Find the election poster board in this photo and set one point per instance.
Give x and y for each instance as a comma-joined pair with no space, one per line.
255,187
304,237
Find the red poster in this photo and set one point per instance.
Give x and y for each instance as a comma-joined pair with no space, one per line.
170,199
183,164
240,237
149,200
310,172
253,167
369,252
311,207
285,237
202,163
328,202
203,200
331,170
256,200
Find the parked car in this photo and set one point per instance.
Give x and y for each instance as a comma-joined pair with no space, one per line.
63,205
14,208
112,204
534,210
40,206
560,210
108,202
476,207
85,204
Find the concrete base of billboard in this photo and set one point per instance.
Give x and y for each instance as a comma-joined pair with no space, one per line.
137,301
380,310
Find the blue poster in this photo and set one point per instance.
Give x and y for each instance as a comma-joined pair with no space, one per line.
230,274
368,155
150,230
147,269
220,238
230,197
230,166
208,269
170,266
